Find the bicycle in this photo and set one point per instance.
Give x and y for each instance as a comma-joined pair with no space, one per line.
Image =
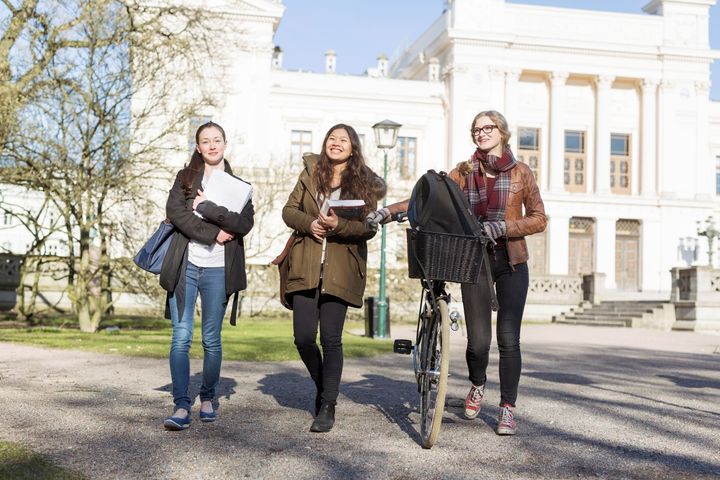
436,258
431,358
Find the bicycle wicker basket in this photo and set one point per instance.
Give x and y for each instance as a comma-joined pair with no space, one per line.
444,256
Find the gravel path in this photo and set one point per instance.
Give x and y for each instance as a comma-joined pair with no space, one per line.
594,403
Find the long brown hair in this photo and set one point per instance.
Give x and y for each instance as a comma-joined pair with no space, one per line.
358,181
196,163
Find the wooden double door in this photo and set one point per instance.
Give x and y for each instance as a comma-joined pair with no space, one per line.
581,255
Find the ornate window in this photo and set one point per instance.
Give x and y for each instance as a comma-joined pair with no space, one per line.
529,149
300,142
620,163
575,176
407,156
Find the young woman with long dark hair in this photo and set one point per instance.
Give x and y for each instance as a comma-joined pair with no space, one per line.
327,264
206,258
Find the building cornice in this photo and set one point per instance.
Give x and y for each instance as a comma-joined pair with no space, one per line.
650,53
355,96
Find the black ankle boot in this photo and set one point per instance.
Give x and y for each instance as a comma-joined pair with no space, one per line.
318,402
325,419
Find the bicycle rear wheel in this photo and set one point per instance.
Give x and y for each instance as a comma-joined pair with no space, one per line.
434,364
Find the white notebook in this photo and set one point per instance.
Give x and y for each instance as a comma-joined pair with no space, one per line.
230,192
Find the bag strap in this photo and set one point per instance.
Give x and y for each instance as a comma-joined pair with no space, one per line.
285,250
288,243
233,311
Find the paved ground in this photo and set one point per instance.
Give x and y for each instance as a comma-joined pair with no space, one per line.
594,403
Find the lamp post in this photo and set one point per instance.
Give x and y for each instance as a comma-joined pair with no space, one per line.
711,233
386,134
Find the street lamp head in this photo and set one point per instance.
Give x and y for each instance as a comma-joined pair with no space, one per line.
386,133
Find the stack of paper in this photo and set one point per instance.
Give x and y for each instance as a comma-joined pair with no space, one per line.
228,191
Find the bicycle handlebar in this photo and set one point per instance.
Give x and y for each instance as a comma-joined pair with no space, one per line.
400,217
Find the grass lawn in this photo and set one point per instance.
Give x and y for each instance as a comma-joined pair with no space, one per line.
266,340
20,463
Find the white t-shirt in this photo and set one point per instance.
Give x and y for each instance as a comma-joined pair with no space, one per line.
206,255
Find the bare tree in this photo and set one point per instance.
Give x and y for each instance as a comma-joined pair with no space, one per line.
98,109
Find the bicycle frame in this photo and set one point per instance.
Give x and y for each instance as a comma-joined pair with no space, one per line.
433,290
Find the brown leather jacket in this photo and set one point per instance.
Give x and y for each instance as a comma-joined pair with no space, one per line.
523,192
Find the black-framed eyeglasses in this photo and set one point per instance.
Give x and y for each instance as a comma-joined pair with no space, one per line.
486,129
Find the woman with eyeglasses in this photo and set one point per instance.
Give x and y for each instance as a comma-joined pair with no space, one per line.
497,188
206,258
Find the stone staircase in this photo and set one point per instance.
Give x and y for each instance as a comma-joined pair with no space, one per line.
653,314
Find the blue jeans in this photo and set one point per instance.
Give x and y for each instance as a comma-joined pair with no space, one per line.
210,283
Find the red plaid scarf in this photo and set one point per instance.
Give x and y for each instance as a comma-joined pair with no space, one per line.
476,189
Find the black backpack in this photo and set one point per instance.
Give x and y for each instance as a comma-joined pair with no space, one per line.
437,204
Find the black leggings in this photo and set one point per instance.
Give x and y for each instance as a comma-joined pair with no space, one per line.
309,309
511,288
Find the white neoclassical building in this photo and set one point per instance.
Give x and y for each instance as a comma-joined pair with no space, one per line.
610,110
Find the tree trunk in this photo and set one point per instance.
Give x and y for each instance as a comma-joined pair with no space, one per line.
27,309
82,299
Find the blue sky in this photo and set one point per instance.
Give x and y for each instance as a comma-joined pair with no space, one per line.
358,30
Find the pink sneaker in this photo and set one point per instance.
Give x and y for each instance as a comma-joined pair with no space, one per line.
473,401
506,422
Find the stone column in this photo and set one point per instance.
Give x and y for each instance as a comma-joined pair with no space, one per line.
653,275
705,173
459,82
605,250
497,90
648,127
557,136
665,140
512,77
558,241
603,84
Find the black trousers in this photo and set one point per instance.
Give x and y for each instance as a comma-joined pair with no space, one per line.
511,286
311,308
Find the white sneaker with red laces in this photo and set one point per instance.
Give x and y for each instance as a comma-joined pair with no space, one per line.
506,421
473,401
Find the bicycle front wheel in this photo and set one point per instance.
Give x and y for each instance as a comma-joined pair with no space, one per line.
435,363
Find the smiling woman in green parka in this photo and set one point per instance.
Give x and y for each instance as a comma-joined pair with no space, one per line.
327,260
